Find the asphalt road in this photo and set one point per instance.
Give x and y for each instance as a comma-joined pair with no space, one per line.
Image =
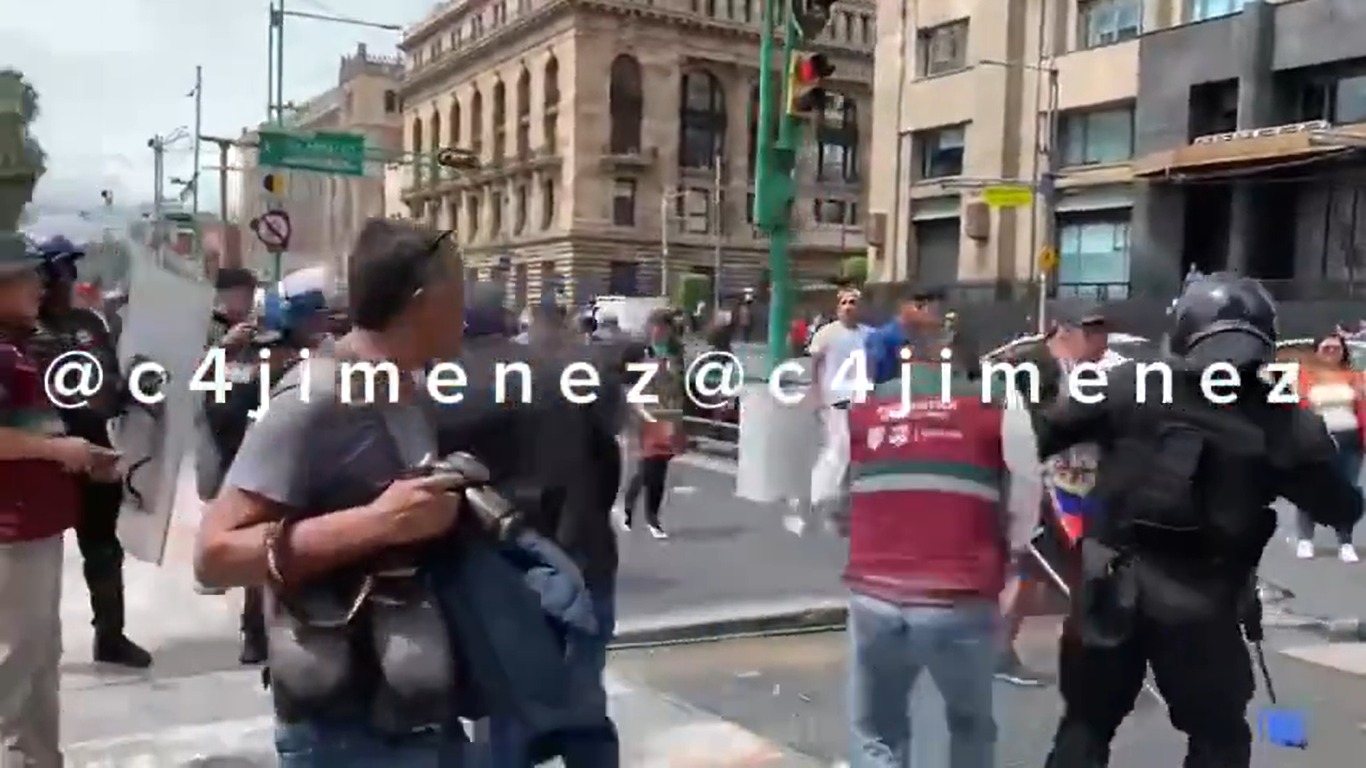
721,551
790,690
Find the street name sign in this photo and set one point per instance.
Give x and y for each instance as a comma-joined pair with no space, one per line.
1008,196
339,153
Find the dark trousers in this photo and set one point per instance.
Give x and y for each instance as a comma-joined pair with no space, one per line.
1202,669
651,475
101,554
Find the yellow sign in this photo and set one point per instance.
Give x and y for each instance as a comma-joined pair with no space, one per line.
1048,259
1008,196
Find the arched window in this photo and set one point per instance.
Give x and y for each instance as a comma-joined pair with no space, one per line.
455,127
477,123
702,121
626,105
552,104
436,144
500,119
416,147
837,144
523,113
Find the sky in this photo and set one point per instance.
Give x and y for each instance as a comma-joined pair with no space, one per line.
110,74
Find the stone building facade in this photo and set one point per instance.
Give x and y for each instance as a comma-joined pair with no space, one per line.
616,142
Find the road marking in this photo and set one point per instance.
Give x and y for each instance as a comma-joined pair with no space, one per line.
1345,657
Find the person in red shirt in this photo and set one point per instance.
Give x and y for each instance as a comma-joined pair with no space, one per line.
799,334
39,501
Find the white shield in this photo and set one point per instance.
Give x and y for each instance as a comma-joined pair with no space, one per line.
166,322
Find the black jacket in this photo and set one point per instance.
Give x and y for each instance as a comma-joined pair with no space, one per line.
559,461
1259,451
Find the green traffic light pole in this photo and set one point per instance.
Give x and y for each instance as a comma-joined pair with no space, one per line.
775,163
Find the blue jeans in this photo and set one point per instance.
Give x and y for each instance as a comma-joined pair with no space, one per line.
510,743
889,646
1349,461
355,745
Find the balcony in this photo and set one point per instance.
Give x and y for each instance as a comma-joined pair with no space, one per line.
630,159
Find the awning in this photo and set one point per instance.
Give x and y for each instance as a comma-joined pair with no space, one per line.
1249,152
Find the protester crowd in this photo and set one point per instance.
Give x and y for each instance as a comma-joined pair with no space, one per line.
408,567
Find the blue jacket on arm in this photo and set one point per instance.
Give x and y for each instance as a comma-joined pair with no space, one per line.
882,348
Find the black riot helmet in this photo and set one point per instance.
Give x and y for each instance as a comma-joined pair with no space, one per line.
1223,318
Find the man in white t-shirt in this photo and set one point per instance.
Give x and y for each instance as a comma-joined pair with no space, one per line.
832,392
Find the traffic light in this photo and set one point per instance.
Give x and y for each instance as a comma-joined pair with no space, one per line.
806,84
810,16
274,184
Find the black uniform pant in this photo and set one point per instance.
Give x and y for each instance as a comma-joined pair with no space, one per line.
1202,669
101,553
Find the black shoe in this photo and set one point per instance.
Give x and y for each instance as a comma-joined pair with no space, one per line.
253,649
1011,670
118,649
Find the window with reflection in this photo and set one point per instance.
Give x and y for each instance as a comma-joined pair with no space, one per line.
626,105
477,123
454,119
416,147
1093,254
1349,100
500,106
940,151
702,122
1200,10
523,113
551,108
1096,137
1102,22
435,145
837,142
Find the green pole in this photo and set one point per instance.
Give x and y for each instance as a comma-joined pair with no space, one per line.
280,64
773,194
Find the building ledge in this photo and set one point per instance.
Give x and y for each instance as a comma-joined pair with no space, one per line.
1251,149
1095,175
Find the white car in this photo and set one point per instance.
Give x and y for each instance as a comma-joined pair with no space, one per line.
1128,345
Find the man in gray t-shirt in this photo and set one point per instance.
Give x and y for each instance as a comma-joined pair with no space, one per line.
309,451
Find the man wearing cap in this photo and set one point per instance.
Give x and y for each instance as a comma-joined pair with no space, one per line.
65,328
1080,334
41,468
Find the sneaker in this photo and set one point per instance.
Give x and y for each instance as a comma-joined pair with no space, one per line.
1348,554
658,532
1012,670
1304,549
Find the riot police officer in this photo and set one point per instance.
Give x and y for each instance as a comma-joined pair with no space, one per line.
1186,486
65,328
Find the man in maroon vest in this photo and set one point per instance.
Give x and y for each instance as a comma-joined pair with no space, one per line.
39,501
945,489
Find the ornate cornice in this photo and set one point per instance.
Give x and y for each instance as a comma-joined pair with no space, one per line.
453,62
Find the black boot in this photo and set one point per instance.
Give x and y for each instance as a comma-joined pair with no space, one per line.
111,645
254,648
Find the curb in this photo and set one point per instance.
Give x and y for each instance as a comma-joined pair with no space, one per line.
816,615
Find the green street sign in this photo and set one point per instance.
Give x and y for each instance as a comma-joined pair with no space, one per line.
339,153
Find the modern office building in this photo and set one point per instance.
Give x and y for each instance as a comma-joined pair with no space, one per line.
327,210
617,140
1160,122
